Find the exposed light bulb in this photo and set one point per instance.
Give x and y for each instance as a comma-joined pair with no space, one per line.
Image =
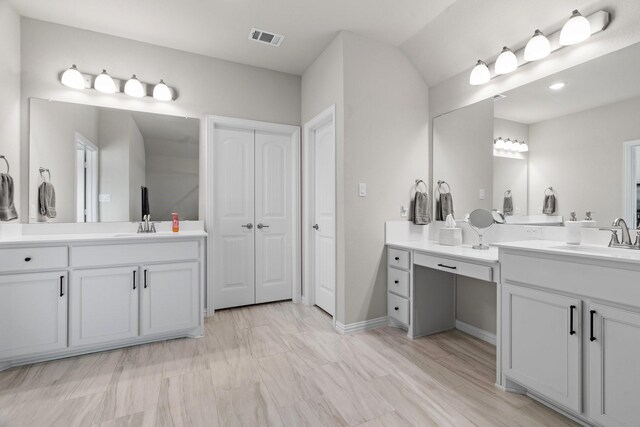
506,62
499,143
134,88
480,74
575,30
104,83
508,145
537,48
162,92
73,78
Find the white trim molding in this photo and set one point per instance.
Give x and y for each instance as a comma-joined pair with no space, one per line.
361,326
476,332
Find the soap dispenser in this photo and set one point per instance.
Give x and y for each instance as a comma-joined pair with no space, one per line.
573,232
588,221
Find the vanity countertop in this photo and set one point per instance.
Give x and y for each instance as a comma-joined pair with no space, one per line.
463,252
599,252
101,237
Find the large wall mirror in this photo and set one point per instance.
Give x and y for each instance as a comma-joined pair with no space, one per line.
90,164
581,128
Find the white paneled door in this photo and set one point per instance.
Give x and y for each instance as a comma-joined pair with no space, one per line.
324,217
273,239
234,218
254,216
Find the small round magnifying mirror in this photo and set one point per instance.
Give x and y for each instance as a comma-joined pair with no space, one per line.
481,220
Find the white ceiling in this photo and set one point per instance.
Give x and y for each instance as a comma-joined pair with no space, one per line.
602,81
220,28
477,29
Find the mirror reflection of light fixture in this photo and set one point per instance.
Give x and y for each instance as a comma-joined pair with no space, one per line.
104,83
557,86
134,88
73,78
576,29
537,48
161,92
506,62
524,147
480,74
498,144
508,145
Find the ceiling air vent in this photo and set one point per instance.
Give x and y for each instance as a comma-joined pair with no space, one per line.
262,36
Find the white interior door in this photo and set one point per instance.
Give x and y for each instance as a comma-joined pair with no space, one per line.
274,216
324,217
234,225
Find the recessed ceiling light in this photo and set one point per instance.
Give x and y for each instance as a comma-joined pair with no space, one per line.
557,86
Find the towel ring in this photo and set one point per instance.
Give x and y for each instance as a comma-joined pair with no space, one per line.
418,182
441,184
42,171
507,193
6,161
552,191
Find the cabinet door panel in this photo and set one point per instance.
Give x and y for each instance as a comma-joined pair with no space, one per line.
540,352
104,305
614,366
170,298
33,313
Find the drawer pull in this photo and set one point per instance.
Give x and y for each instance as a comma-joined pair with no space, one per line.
572,331
145,279
61,286
397,258
134,280
27,259
396,282
447,266
396,308
592,337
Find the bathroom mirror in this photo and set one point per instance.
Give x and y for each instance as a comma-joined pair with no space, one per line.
582,137
97,159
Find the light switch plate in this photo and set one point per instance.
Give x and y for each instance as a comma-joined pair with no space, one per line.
481,194
534,232
362,189
403,212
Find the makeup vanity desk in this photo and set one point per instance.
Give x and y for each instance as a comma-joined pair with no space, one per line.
423,300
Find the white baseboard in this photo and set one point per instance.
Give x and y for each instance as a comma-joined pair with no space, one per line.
476,332
361,326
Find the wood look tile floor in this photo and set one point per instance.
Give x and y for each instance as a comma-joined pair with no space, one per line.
273,365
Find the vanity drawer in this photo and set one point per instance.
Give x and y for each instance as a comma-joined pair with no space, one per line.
30,259
133,253
463,268
398,308
398,282
399,258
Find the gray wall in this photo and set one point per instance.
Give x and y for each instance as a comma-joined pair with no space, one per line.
205,85
10,97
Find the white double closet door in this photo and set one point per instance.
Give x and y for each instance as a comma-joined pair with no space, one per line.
253,228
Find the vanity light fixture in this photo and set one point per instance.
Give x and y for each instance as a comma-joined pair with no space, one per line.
73,78
104,83
134,88
557,86
576,29
162,92
537,48
480,74
498,144
506,62
508,145
524,147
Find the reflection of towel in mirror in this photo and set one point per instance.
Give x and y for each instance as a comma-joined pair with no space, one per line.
47,200
507,205
549,207
421,214
7,208
444,206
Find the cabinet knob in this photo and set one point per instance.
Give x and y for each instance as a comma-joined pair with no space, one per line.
396,308
27,259
396,282
397,258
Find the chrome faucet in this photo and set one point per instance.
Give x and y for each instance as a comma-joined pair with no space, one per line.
146,226
626,235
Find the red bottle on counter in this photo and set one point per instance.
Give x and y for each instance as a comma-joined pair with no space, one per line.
176,222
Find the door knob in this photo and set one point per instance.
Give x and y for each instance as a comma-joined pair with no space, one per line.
248,226
261,226
316,227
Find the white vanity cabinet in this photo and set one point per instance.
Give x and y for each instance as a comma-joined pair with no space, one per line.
614,365
544,349
33,313
103,305
170,295
62,297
